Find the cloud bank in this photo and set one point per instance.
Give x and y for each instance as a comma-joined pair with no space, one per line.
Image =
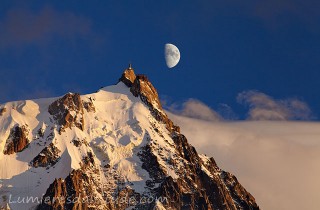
274,158
278,162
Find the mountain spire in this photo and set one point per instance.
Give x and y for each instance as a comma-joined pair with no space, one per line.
128,76
124,153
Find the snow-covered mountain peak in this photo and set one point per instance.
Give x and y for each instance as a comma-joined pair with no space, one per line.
113,149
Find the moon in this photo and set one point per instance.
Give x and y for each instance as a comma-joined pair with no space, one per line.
172,55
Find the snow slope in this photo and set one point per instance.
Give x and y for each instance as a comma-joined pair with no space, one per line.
116,129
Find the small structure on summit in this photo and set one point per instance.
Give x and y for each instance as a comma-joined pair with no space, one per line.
128,76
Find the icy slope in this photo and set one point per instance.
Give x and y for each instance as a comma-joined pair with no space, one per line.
114,131
113,149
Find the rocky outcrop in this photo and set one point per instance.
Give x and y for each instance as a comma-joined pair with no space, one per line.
79,142
78,191
2,111
128,77
151,164
141,87
17,140
81,190
89,106
238,193
56,190
66,194
178,198
49,156
201,184
68,111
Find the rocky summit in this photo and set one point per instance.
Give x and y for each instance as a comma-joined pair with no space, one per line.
113,149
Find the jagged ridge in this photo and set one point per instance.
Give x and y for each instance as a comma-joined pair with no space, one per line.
122,152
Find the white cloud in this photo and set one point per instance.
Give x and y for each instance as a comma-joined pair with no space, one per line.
261,107
278,162
195,109
264,107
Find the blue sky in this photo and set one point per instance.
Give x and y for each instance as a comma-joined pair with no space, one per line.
48,48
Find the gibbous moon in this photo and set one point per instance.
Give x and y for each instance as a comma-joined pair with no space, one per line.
172,55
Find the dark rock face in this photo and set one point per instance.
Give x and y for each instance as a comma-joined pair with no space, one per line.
89,106
62,194
2,111
17,140
81,191
243,198
76,192
141,87
185,150
68,111
178,199
128,77
201,185
49,156
56,190
78,143
151,164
